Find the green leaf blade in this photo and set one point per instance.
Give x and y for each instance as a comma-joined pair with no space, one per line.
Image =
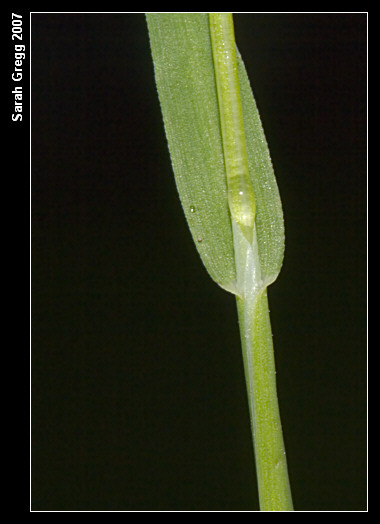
185,78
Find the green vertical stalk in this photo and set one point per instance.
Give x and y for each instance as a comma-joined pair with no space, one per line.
241,199
271,466
252,303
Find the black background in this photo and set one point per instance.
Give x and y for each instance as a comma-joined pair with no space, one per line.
138,394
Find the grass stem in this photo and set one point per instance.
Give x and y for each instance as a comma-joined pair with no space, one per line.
259,365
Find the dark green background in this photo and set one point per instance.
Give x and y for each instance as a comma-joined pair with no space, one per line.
138,395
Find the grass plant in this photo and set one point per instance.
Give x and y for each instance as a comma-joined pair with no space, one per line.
230,198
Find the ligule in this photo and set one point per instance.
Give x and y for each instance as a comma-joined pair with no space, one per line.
241,201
